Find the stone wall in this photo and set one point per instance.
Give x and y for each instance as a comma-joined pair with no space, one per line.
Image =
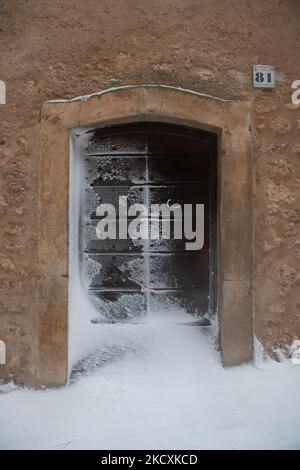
64,49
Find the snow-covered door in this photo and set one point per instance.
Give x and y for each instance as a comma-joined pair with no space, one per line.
149,163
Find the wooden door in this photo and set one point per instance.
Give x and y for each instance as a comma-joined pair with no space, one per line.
150,163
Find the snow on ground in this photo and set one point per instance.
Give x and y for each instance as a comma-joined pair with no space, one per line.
158,385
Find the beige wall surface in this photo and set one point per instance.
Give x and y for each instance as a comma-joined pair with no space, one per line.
52,50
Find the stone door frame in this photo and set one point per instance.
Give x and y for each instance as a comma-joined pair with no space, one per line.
230,120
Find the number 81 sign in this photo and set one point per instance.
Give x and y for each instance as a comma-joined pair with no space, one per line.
264,76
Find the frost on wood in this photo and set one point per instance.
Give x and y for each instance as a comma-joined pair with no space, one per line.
124,280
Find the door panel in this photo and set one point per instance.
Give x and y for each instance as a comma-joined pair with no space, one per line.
117,271
113,170
178,169
178,270
150,164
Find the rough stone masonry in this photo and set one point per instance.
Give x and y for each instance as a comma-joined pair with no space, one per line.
66,49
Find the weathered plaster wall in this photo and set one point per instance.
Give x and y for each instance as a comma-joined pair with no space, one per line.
62,49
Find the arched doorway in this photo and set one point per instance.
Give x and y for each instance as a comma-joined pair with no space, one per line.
230,122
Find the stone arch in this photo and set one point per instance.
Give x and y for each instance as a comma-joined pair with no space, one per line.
230,121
